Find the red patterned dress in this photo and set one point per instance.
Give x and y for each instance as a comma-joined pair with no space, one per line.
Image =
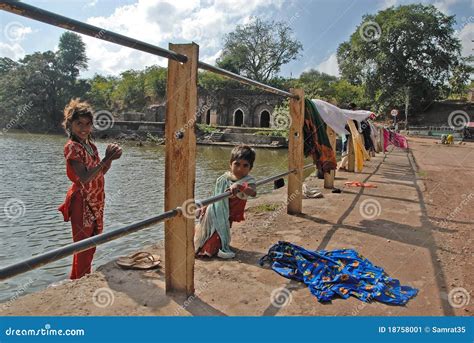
84,204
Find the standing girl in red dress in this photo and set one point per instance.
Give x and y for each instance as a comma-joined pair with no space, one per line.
84,204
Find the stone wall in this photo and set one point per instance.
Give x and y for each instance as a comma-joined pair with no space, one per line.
241,108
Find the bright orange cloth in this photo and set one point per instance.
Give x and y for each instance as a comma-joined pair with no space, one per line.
360,184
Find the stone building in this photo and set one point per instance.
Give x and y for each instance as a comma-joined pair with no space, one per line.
242,108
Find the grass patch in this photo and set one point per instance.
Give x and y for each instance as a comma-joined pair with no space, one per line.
207,128
422,173
273,133
265,208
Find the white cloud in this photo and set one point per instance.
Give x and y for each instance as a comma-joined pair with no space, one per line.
160,22
388,3
13,51
444,5
329,66
91,3
13,33
466,36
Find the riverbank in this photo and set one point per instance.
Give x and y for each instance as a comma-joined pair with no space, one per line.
420,234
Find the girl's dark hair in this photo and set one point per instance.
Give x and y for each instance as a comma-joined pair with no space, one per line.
243,152
75,109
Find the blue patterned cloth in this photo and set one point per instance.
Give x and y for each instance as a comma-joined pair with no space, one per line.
339,272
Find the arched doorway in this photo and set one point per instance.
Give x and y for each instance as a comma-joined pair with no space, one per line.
238,118
265,119
208,117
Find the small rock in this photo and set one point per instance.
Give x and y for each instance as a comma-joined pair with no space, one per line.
388,240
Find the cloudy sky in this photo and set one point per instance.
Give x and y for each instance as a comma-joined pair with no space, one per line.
321,25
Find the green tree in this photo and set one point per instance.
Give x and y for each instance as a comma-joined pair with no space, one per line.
130,91
214,82
259,49
155,83
402,53
100,91
72,56
316,84
461,76
345,93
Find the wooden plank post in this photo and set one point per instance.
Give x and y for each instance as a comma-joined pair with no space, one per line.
180,169
350,155
296,153
381,139
329,177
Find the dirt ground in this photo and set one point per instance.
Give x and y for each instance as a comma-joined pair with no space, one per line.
416,225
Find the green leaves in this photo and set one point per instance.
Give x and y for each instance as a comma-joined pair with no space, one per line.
414,49
259,49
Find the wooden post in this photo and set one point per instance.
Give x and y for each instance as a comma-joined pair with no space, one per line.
329,177
295,153
180,168
381,139
351,155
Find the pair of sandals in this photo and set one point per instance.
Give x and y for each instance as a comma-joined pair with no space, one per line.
311,193
141,260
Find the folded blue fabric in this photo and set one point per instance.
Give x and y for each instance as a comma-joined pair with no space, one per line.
341,272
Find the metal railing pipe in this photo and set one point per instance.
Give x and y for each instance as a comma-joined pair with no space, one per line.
51,18
245,80
36,13
59,253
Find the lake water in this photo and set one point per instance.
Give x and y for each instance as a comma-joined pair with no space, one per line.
33,184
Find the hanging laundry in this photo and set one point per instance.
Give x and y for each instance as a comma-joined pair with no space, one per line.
316,140
359,149
358,115
395,139
334,273
374,135
366,132
332,116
